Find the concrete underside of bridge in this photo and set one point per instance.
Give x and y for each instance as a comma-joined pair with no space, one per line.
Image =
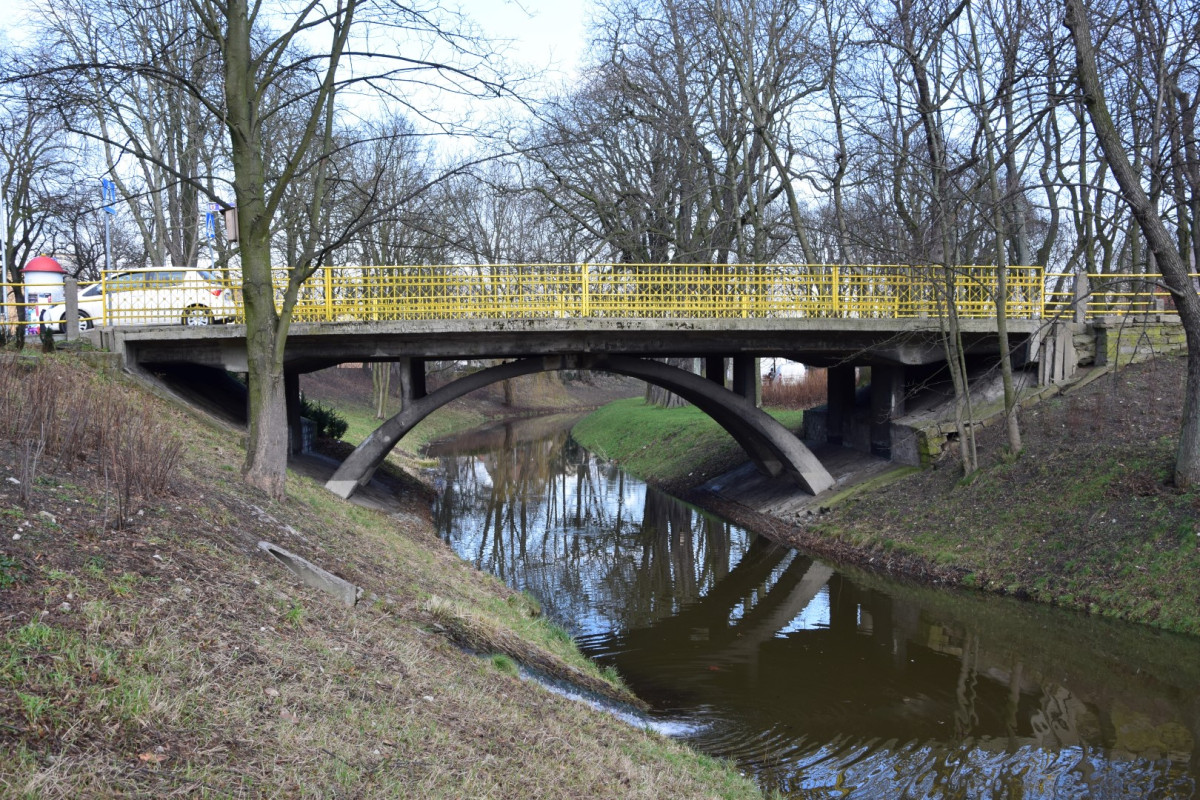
900,353
818,342
772,447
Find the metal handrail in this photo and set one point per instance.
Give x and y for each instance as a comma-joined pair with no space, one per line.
611,290
608,290
1107,294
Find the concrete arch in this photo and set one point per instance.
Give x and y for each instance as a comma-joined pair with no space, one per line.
772,447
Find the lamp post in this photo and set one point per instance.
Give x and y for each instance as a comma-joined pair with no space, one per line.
4,242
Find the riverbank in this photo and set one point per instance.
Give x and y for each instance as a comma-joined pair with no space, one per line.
1085,518
152,647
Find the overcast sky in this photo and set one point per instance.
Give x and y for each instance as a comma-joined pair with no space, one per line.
540,38
547,34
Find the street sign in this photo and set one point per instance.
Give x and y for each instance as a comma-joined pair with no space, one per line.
108,195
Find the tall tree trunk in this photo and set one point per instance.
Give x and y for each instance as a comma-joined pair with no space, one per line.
1168,259
999,201
942,235
266,443
381,385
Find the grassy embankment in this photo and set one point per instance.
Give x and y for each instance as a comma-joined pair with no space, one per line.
148,647
1084,518
669,446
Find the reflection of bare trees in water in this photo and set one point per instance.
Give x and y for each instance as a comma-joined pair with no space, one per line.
689,609
547,516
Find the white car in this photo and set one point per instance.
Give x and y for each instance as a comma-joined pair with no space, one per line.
153,296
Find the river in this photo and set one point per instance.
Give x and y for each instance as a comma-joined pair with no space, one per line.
819,682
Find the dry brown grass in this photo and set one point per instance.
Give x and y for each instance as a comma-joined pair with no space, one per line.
172,658
50,412
804,392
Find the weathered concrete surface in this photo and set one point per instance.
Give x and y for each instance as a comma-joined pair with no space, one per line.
773,448
782,499
312,346
313,576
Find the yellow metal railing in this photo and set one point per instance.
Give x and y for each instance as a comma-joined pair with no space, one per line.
14,314
165,296
534,291
605,290
1108,294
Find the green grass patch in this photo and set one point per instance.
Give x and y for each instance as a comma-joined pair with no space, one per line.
663,444
361,422
10,571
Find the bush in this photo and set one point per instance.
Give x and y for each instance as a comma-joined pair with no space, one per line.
330,424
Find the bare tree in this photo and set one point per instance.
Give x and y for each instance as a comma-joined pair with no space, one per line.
1171,263
275,83
157,141
37,162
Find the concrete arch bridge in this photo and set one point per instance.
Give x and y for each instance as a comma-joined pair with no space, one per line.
622,318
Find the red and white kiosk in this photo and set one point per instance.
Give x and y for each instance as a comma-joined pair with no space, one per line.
43,286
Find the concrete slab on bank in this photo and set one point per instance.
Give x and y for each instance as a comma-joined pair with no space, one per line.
780,498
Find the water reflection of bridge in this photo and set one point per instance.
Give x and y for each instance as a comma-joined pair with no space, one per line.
697,614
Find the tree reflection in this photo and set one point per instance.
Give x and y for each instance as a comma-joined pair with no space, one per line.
799,672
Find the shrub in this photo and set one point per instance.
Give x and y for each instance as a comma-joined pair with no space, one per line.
330,424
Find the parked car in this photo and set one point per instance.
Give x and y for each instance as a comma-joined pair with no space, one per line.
153,296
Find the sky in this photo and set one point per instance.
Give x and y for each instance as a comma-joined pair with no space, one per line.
544,38
547,34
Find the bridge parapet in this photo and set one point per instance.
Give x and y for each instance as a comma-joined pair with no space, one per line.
650,291
606,291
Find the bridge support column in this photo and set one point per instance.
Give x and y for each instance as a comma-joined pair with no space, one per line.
714,369
839,401
887,402
745,380
291,397
412,379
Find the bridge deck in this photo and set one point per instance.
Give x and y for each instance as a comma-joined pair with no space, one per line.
817,342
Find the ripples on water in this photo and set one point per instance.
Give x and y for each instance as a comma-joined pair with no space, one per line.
818,683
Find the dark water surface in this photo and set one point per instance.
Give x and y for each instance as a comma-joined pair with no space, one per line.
818,682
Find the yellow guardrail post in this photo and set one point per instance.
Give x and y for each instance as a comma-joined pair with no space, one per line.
834,299
328,281
584,291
